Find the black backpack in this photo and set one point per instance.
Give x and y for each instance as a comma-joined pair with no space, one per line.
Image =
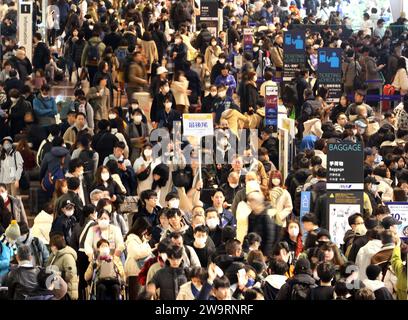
300,291
93,54
86,157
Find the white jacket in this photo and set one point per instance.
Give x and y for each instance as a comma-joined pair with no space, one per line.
42,226
137,249
364,256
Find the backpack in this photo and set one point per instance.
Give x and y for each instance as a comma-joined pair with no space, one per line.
87,159
121,54
93,54
51,177
300,291
289,93
108,271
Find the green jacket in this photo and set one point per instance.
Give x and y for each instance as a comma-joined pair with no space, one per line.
400,272
93,41
64,261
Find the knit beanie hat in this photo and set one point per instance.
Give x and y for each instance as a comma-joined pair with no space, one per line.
13,231
302,266
373,271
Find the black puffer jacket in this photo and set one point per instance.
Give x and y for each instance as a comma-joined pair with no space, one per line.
263,225
285,293
169,280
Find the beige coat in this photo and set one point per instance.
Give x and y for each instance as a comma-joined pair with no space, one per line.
179,90
281,206
118,263
211,56
150,51
191,51
137,249
185,292
401,81
236,120
64,261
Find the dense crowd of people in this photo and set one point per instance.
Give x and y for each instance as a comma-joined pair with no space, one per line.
126,213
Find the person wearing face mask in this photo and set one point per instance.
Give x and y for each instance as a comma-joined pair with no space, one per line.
159,100
223,103
117,218
104,230
207,105
280,199
17,107
11,166
138,251
251,98
226,79
161,75
8,248
72,196
63,260
45,107
211,54
231,187
137,133
179,52
212,221
105,182
86,222
180,89
168,115
143,167
217,67
102,267
65,222
204,249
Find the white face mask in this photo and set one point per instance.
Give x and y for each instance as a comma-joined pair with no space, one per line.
114,130
294,232
234,185
137,119
256,49
148,152
276,182
166,89
174,203
105,176
103,224
69,213
168,105
104,252
4,195
213,43
7,146
177,41
163,256
213,223
201,241
13,100
222,61
112,116
374,188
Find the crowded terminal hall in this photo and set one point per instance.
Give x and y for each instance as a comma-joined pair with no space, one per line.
203,150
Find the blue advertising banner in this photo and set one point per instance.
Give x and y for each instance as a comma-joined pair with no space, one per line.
305,199
329,73
294,54
399,211
271,106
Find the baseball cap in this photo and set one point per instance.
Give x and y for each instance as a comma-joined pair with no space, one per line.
389,221
161,70
68,203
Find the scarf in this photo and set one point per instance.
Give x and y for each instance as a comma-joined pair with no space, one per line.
12,247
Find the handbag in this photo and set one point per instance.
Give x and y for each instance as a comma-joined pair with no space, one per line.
145,173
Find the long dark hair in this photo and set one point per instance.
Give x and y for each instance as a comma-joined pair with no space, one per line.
139,227
98,179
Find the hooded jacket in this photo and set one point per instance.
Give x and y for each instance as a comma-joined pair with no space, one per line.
380,291
272,284
52,160
137,249
65,260
42,226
